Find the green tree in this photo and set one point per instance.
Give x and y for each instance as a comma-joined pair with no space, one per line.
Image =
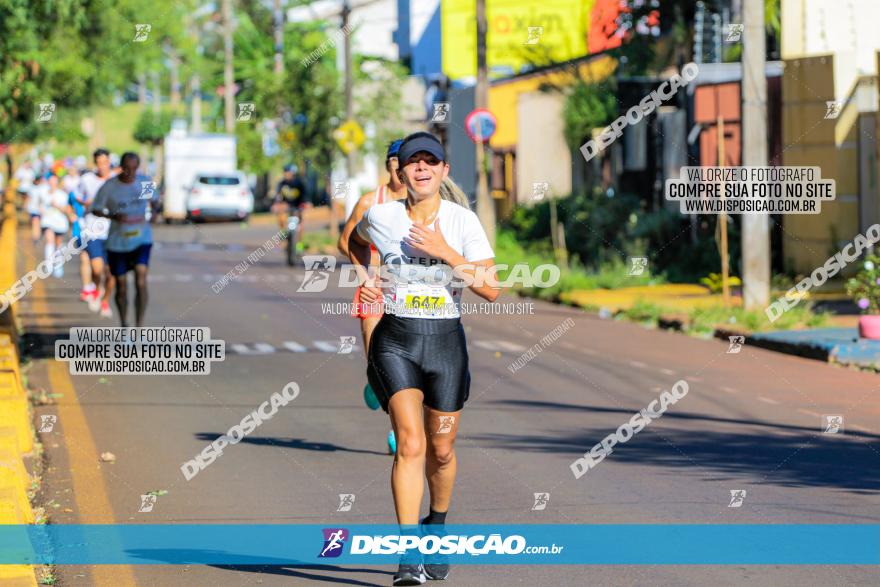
378,101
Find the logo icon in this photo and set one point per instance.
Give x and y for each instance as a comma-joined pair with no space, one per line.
539,190
346,501
147,503
535,33
100,225
832,424
148,188
736,343
340,190
832,109
318,270
541,501
737,496
141,32
441,112
45,112
446,424
334,540
346,344
47,423
734,32
637,265
246,112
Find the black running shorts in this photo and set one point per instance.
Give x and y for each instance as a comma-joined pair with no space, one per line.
422,353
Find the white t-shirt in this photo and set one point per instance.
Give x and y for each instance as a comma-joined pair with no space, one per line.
50,215
25,177
89,184
424,290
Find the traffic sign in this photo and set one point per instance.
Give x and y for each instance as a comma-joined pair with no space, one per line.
480,125
349,136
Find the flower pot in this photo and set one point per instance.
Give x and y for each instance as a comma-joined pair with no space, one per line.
869,326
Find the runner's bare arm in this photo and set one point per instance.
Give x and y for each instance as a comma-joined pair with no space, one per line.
360,255
363,204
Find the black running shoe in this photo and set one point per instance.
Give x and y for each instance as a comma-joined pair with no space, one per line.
436,565
409,575
435,569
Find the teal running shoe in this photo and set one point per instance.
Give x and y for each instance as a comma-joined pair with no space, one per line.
370,398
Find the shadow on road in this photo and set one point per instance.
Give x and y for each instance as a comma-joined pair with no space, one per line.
297,443
284,569
297,571
785,455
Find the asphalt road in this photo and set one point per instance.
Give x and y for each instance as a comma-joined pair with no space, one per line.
751,421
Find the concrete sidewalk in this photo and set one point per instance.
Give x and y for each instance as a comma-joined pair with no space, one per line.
834,345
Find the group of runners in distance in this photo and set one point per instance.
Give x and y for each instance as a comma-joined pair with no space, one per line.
417,360
62,198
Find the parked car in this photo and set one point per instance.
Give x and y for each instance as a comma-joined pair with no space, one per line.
219,196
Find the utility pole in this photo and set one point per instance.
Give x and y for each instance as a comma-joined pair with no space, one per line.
228,81
279,39
349,113
157,111
173,77
485,205
196,82
142,102
755,230
157,93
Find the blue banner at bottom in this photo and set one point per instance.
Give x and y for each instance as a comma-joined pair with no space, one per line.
562,544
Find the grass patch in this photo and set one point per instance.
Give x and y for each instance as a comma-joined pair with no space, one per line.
611,275
704,321
317,240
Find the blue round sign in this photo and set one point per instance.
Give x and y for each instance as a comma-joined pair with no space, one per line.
480,125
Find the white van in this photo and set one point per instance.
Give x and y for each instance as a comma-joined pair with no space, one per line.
187,156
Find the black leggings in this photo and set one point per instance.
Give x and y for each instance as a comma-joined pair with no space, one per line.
421,353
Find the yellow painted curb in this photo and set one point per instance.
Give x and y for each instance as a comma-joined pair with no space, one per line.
9,385
12,509
17,492
17,576
12,460
14,414
10,365
9,439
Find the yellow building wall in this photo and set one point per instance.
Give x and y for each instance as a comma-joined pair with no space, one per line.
809,139
503,96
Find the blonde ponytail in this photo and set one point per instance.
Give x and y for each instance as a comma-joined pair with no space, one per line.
450,191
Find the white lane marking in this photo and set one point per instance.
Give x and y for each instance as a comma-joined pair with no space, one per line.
809,413
260,348
182,277
589,351
294,347
667,371
638,364
503,345
767,400
326,346
728,389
